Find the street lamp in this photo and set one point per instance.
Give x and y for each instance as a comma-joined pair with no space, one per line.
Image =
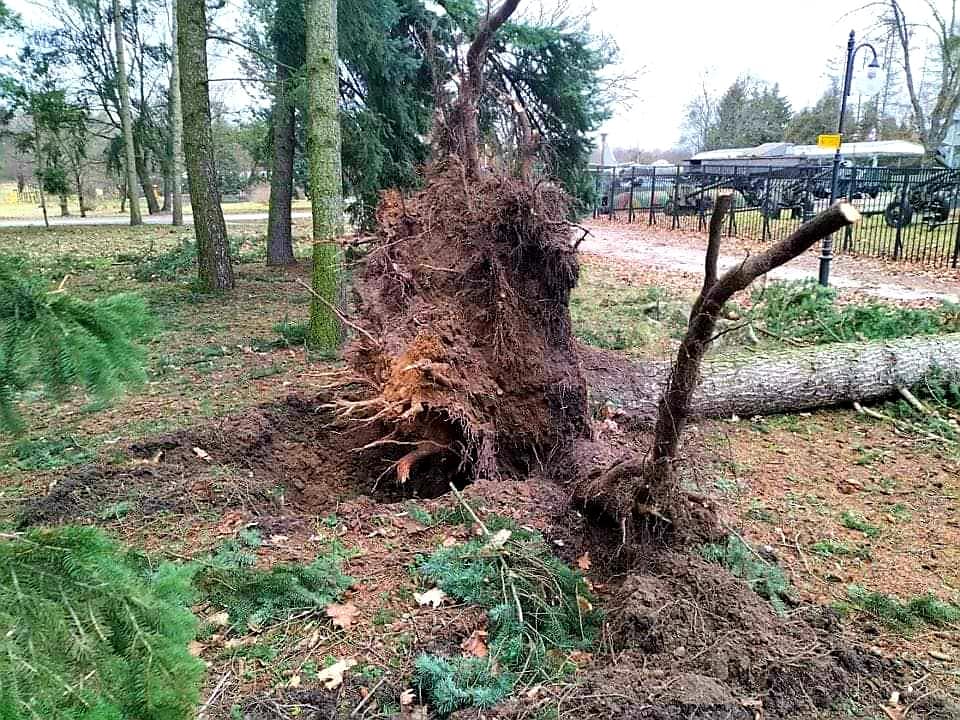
870,85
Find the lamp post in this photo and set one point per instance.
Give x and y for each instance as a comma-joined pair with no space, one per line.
870,86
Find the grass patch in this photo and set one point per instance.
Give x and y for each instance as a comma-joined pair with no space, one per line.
856,521
829,548
538,612
765,578
807,312
925,609
43,453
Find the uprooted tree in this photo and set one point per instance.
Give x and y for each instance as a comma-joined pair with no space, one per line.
464,353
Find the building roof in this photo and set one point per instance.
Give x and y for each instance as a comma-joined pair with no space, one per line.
789,150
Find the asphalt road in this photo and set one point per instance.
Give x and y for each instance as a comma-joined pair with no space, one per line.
162,219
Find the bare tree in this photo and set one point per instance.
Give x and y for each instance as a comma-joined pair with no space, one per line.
932,117
126,120
176,123
701,113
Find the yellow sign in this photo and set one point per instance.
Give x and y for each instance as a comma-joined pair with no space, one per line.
830,140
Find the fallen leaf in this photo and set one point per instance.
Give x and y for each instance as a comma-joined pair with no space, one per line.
196,648
579,657
219,619
449,541
585,605
499,539
407,697
231,522
583,562
234,643
475,644
294,681
332,677
342,615
433,598
201,453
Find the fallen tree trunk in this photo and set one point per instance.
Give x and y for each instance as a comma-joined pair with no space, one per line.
776,382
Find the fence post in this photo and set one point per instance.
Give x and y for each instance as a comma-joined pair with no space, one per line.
898,240
633,177
732,220
653,195
956,246
766,194
675,223
851,191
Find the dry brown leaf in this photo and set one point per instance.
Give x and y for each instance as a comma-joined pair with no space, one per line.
584,604
342,615
434,598
583,562
579,657
219,619
407,697
499,539
196,648
201,453
332,677
449,541
475,644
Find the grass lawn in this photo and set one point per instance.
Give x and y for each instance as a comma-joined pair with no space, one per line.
838,499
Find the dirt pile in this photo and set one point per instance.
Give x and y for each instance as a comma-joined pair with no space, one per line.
467,342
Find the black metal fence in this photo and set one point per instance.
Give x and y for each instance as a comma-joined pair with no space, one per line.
909,214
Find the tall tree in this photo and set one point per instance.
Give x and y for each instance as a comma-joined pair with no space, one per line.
699,117
126,121
176,123
287,41
215,270
749,113
323,158
933,111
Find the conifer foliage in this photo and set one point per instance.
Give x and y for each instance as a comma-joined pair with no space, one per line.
87,634
51,338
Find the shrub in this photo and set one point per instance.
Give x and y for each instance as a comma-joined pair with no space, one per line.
86,633
170,265
538,611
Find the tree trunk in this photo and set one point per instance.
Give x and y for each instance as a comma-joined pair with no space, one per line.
777,382
279,234
153,207
39,171
126,121
323,159
213,251
167,190
176,125
64,205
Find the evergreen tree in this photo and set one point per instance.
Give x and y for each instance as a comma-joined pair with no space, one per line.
749,113
87,633
59,341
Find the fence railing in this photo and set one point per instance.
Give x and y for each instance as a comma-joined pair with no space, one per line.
909,214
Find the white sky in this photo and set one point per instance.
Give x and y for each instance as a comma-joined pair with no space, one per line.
672,43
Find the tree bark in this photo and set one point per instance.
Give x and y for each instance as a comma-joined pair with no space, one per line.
323,158
39,171
153,207
126,121
279,231
176,125
64,205
776,382
213,251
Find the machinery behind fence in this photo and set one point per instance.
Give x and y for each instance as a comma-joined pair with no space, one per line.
909,214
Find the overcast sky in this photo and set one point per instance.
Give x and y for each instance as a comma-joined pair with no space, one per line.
671,43
674,42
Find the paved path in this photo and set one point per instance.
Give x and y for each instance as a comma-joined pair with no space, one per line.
161,219
672,255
